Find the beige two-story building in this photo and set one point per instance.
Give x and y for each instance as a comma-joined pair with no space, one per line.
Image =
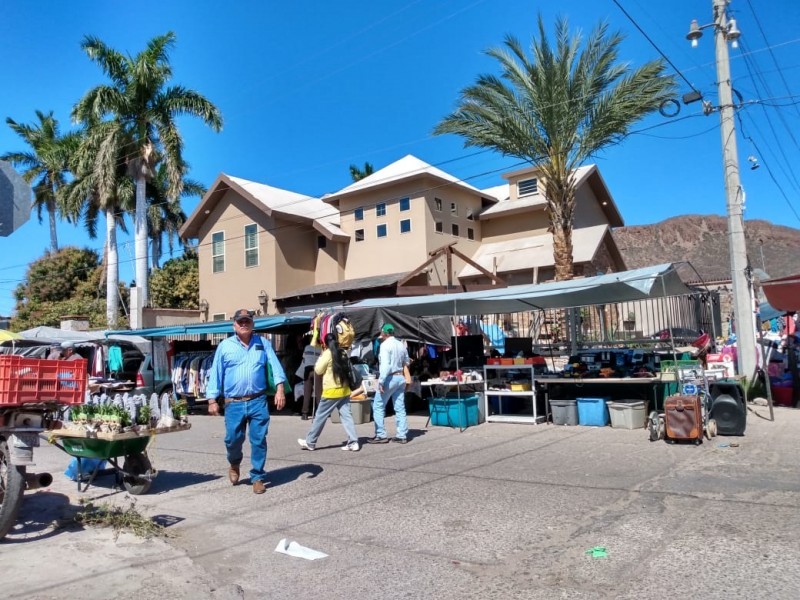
273,249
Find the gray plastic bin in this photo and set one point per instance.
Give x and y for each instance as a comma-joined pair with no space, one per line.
628,414
361,409
565,412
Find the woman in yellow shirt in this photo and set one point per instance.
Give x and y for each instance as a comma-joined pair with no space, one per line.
334,366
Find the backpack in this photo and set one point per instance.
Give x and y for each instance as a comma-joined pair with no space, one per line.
345,333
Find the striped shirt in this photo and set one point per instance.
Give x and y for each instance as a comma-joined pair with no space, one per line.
240,370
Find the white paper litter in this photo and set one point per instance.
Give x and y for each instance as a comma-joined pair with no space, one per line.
298,551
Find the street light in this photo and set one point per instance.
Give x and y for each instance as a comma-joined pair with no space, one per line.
263,298
204,309
725,30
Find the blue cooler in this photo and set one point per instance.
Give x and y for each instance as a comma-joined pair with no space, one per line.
593,411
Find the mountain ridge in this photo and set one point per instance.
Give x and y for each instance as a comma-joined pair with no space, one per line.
702,240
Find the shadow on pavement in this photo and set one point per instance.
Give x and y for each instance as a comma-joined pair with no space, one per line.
166,481
288,474
42,515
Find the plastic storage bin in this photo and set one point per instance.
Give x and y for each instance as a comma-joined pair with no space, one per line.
565,412
24,380
361,409
452,412
593,412
628,414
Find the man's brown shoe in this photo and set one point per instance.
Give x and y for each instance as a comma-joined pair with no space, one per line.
259,487
233,474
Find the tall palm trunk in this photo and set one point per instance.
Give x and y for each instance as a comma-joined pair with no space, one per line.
140,237
51,214
156,258
561,207
112,272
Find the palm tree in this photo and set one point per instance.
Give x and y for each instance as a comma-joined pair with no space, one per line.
143,111
46,164
101,186
359,174
556,110
164,214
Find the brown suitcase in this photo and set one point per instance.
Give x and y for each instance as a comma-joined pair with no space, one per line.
683,418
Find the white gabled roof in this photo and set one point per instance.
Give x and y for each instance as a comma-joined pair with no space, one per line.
407,167
500,192
284,201
329,227
534,251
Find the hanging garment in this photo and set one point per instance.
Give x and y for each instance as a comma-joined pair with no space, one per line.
114,359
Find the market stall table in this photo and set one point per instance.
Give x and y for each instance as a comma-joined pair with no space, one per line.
601,385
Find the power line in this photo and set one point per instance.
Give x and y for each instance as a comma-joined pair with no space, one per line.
766,165
653,44
771,53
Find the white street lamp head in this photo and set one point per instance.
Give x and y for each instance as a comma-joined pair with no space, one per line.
694,33
733,33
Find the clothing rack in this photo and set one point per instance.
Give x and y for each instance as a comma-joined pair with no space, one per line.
190,373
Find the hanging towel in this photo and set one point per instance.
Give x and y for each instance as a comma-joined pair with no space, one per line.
115,359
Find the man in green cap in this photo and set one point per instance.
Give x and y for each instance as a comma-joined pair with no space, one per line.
393,356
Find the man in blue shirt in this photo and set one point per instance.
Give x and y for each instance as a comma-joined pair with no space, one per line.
393,356
239,376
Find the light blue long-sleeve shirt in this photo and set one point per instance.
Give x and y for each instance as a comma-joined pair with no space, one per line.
239,371
393,357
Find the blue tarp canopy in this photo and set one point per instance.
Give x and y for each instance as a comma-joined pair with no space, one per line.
659,281
269,323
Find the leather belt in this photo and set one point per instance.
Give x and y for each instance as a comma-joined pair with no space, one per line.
243,398
397,373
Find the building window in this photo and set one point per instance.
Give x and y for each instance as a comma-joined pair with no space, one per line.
454,209
381,231
251,245
359,235
470,215
218,252
405,204
437,204
405,225
380,209
359,214
455,229
439,227
470,233
321,242
527,187
219,317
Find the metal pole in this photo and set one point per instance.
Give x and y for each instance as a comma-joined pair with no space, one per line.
742,306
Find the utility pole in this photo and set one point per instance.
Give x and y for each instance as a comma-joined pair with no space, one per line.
725,30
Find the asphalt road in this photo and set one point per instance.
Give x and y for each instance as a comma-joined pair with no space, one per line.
498,511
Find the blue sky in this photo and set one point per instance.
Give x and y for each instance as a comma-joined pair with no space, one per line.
308,88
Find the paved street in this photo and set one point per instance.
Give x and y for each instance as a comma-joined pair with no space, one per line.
498,511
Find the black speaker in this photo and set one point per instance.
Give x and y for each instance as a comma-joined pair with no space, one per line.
728,407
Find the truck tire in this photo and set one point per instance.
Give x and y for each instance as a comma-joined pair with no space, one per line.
12,487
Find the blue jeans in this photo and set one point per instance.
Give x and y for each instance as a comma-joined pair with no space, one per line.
396,392
326,406
237,416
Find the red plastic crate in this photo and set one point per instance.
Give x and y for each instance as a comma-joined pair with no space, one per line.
30,380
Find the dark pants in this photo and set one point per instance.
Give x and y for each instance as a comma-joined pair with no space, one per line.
312,392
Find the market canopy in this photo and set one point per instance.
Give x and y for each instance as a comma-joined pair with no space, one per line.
260,324
783,293
428,330
659,281
45,334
